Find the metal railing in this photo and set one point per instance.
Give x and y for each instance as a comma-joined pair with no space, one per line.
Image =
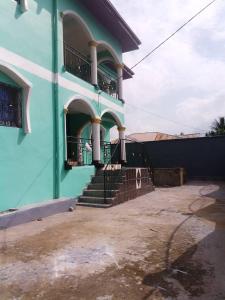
107,83
107,147
76,63
125,177
111,178
79,151
79,65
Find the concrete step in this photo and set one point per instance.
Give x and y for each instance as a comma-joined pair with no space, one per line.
110,172
100,193
95,200
100,186
95,205
111,179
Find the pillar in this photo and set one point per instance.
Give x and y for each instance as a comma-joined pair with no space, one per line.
94,62
120,81
65,132
96,140
123,157
24,5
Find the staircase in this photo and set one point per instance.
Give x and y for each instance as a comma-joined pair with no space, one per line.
114,186
103,189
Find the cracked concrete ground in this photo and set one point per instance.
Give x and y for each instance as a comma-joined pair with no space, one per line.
169,244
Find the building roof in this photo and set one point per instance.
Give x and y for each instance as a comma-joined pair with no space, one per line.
110,18
127,72
158,136
150,136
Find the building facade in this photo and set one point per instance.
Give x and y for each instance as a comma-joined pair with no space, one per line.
61,90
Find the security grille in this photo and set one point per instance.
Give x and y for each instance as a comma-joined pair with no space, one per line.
10,106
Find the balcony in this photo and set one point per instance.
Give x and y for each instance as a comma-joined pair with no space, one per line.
76,63
107,83
79,65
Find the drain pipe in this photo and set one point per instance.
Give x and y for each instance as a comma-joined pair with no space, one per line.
55,86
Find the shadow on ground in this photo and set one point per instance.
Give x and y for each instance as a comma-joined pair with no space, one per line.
200,271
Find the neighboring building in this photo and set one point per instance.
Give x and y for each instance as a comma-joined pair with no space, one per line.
61,90
157,136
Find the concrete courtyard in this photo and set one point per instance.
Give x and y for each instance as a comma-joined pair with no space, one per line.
169,244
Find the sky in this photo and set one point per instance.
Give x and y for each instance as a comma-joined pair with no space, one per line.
181,87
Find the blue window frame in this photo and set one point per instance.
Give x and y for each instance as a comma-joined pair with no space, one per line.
10,106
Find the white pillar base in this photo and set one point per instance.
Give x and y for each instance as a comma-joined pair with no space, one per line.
123,157
120,81
96,140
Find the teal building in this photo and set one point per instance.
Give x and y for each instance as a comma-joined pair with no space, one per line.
61,91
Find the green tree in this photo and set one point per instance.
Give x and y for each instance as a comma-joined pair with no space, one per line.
217,128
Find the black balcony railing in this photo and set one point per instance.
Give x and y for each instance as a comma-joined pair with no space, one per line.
79,152
76,63
79,65
107,83
106,146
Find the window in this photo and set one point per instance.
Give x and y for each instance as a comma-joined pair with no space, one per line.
10,106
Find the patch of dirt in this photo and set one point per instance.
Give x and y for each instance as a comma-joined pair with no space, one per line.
165,245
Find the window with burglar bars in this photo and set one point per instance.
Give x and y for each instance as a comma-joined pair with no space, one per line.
10,106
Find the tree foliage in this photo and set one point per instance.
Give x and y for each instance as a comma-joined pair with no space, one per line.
217,128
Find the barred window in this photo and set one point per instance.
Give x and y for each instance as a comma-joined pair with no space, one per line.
10,106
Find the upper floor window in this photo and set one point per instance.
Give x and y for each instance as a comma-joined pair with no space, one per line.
10,106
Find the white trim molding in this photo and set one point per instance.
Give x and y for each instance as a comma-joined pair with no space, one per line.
26,87
77,97
18,61
111,51
80,20
114,115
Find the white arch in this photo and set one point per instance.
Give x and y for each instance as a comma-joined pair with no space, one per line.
81,21
111,50
87,103
107,58
26,87
114,115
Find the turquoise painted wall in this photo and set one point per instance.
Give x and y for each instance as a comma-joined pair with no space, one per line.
27,161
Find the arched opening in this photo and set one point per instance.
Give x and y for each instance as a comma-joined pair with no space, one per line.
76,38
111,123
107,70
15,93
78,116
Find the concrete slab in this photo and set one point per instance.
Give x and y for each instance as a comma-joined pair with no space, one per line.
165,245
34,212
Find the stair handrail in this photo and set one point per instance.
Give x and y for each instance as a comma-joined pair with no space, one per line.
106,168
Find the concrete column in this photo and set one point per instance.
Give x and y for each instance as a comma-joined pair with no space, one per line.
65,132
123,156
96,140
24,5
120,81
94,62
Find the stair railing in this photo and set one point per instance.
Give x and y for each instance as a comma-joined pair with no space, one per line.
109,175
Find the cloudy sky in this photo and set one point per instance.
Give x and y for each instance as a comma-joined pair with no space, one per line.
180,88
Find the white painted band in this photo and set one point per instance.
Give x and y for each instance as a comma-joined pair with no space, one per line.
37,70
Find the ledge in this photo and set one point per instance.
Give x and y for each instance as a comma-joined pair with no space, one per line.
31,213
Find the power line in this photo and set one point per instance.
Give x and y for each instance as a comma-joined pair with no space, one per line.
175,32
162,117
156,48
